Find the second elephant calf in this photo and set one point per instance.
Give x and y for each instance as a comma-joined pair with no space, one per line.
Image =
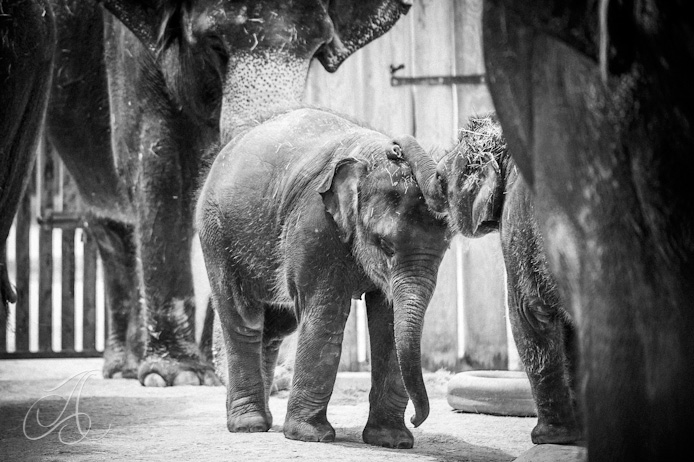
478,187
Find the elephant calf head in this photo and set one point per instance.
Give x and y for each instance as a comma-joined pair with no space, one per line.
469,181
380,212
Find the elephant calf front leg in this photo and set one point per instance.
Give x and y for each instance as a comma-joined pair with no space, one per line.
315,368
388,397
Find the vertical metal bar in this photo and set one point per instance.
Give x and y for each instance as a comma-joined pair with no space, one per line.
89,294
46,251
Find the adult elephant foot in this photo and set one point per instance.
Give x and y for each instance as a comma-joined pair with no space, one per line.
159,371
172,356
555,434
119,363
388,435
249,422
315,430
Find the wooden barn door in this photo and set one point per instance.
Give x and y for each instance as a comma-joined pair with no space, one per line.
425,78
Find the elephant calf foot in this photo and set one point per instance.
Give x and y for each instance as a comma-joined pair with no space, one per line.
555,434
315,431
388,436
250,422
162,372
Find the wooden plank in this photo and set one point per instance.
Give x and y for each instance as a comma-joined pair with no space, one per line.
472,99
386,108
47,190
435,121
69,196
89,293
68,290
338,91
23,259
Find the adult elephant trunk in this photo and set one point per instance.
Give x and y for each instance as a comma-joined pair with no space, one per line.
431,183
413,285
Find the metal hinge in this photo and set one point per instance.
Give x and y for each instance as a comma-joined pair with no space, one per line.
470,79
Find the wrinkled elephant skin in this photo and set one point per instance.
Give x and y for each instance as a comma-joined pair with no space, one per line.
27,40
598,108
138,106
297,216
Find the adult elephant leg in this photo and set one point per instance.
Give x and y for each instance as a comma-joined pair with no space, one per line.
26,56
321,329
126,337
538,331
388,397
623,237
164,233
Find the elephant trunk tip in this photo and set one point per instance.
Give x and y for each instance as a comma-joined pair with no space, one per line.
420,416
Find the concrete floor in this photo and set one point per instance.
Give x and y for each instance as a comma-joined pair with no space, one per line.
131,422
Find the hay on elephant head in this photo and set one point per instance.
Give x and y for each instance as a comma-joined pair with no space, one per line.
481,142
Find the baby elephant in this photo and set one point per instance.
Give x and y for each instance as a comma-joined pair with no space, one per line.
297,216
478,187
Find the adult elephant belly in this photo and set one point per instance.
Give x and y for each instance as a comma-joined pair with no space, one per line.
135,159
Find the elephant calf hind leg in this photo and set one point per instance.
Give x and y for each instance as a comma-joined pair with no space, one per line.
246,401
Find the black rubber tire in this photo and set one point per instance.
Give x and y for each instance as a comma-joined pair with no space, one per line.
492,392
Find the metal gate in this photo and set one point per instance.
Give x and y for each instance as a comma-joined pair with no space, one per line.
55,266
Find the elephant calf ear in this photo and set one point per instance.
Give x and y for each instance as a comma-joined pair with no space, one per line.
484,205
339,192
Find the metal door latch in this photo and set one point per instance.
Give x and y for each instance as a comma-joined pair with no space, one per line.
470,79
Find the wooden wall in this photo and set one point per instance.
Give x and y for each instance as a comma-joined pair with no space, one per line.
465,325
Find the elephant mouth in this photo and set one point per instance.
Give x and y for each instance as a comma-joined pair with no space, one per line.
487,227
333,53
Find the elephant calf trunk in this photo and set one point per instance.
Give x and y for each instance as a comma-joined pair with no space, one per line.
424,169
411,295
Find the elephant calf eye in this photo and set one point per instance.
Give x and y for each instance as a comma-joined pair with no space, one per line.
386,246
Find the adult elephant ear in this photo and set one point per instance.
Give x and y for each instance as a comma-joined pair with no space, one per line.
356,23
147,19
339,189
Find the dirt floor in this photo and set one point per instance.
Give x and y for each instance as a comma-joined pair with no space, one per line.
131,422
